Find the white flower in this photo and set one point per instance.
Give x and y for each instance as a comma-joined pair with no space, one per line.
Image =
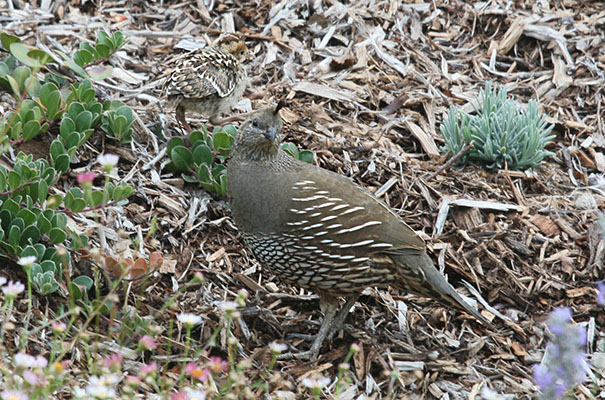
2,280
23,360
79,393
100,391
228,306
26,261
189,319
316,383
13,289
278,347
40,362
108,160
13,395
104,380
196,395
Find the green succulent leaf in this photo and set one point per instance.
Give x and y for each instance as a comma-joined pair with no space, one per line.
182,158
57,235
7,40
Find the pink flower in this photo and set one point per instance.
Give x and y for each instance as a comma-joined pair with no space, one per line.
217,364
59,327
196,372
113,362
148,342
179,396
85,177
132,380
147,369
30,377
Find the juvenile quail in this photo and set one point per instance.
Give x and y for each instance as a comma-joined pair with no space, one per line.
209,80
318,230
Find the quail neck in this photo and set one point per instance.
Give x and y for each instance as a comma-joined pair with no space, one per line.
260,137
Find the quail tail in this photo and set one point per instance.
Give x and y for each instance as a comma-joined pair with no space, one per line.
428,282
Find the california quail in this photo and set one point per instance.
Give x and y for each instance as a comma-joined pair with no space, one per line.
209,80
320,231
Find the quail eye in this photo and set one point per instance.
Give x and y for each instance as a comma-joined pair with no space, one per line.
256,123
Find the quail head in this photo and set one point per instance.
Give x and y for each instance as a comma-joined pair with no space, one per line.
318,230
210,80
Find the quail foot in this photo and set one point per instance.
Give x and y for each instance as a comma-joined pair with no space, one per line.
210,80
318,230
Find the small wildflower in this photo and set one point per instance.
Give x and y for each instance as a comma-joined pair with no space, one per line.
148,342
564,364
85,179
189,320
13,289
14,395
26,261
104,380
601,293
133,381
196,395
31,377
196,372
316,384
242,295
217,364
59,367
113,362
40,362
148,369
23,360
355,348
180,395
278,348
228,306
344,366
108,161
100,391
197,278
59,327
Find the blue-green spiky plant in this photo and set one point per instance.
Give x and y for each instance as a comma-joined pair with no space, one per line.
503,133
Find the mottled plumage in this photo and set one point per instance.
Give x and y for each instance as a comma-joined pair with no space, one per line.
318,230
209,80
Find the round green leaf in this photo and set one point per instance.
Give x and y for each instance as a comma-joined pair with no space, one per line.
57,236
182,158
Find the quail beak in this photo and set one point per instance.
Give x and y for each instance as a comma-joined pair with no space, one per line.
279,106
270,134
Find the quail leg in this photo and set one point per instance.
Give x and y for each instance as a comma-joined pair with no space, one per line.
180,117
342,315
312,353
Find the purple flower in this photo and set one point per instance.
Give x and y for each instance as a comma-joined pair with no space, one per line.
601,293
564,364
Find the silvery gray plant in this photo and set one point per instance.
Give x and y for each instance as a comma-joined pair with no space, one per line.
504,134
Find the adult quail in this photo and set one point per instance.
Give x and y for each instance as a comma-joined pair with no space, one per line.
319,230
209,80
